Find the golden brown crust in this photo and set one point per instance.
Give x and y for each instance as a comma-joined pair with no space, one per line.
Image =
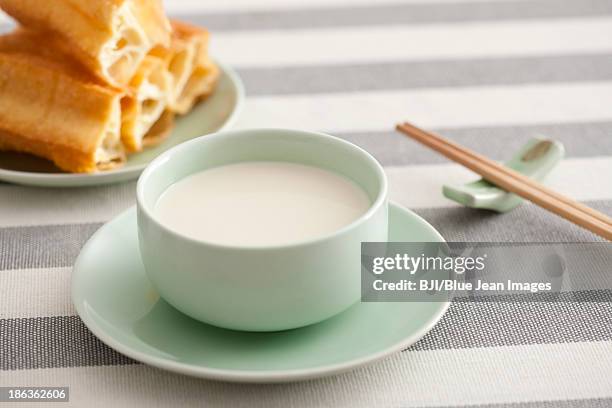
46,111
54,52
145,102
201,84
90,29
65,157
193,73
154,21
129,116
188,32
160,131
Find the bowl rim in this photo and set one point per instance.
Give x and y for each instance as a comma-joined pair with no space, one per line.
380,200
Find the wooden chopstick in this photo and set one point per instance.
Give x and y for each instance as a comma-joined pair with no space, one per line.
515,182
424,137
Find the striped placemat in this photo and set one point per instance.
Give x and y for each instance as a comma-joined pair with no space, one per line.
488,74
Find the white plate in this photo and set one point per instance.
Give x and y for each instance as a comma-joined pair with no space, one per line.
218,112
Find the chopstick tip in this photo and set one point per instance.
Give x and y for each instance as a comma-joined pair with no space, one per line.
401,125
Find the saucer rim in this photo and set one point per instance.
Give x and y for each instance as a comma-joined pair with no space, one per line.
249,376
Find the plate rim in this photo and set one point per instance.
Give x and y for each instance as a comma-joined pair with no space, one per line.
254,376
124,173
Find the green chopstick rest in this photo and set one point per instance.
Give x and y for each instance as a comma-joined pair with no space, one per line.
535,160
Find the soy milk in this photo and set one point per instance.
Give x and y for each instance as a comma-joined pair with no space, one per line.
261,204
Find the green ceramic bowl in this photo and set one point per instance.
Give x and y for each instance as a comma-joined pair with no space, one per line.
260,288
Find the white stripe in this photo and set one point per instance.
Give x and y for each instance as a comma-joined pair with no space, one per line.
35,293
441,107
241,6
412,186
39,206
345,45
550,372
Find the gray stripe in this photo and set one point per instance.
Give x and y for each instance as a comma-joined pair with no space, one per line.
527,223
506,323
28,343
398,14
577,403
580,139
49,342
423,74
58,245
42,246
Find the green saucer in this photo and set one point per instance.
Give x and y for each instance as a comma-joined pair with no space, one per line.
118,304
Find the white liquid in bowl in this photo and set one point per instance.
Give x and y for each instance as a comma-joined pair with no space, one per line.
261,204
